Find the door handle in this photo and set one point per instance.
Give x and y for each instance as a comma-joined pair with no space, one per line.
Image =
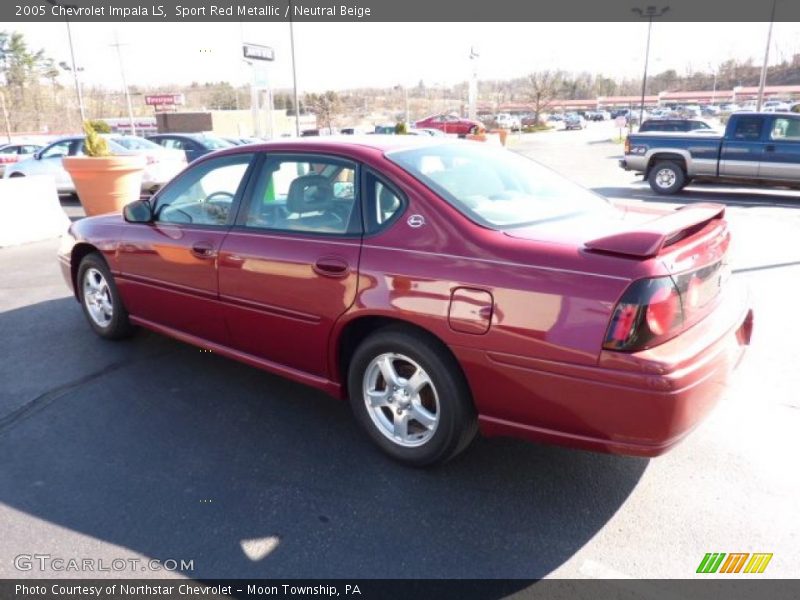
203,250
331,266
769,148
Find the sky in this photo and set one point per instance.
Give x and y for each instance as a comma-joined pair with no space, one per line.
348,55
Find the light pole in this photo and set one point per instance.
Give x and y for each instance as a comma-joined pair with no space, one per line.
713,89
294,74
472,95
405,98
117,45
5,115
255,103
763,80
78,85
72,58
649,13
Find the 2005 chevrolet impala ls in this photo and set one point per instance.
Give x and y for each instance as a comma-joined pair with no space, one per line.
444,287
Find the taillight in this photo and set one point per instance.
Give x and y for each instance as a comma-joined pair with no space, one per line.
627,145
648,312
652,311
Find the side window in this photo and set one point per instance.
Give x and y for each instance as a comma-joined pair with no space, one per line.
382,203
315,195
204,195
173,144
748,129
57,150
786,129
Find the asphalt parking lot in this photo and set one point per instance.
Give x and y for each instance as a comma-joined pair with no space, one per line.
153,449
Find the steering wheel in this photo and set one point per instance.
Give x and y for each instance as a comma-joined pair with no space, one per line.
225,196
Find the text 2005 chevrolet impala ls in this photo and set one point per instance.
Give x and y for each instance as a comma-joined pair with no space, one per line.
442,286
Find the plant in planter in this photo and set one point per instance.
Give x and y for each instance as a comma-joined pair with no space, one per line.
104,182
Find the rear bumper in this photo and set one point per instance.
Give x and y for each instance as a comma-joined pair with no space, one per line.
638,404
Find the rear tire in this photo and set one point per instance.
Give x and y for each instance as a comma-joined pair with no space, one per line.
16,175
410,396
100,299
666,177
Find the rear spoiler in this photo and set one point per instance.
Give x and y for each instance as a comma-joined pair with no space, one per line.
648,239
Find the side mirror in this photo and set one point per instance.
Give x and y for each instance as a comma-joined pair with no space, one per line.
138,211
37,155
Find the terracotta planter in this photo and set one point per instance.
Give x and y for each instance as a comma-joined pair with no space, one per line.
503,133
107,183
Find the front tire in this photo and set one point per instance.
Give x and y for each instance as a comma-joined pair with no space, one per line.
666,177
100,299
410,396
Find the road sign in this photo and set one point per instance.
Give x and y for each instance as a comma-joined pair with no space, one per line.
164,99
258,52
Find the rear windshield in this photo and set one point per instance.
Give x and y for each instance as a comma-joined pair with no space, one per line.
214,143
495,187
132,142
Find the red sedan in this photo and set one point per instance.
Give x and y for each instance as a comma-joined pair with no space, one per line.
442,286
450,124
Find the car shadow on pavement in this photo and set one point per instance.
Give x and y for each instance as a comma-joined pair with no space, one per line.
172,452
692,195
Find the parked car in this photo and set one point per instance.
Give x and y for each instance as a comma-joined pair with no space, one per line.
12,153
161,165
776,106
427,131
682,125
444,287
691,111
760,147
194,145
598,115
574,121
555,117
451,124
508,121
352,131
241,141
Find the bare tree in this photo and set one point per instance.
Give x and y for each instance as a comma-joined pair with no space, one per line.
326,106
541,88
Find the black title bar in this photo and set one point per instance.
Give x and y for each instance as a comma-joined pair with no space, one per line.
396,10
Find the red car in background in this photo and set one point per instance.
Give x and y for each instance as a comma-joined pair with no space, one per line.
451,124
442,286
12,153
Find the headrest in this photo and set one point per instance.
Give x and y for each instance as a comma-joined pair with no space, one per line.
388,202
309,193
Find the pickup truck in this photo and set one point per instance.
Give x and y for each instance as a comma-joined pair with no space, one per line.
761,148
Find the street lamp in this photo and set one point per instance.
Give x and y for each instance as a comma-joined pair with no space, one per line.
72,58
714,89
763,81
405,97
649,13
294,73
117,45
472,94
